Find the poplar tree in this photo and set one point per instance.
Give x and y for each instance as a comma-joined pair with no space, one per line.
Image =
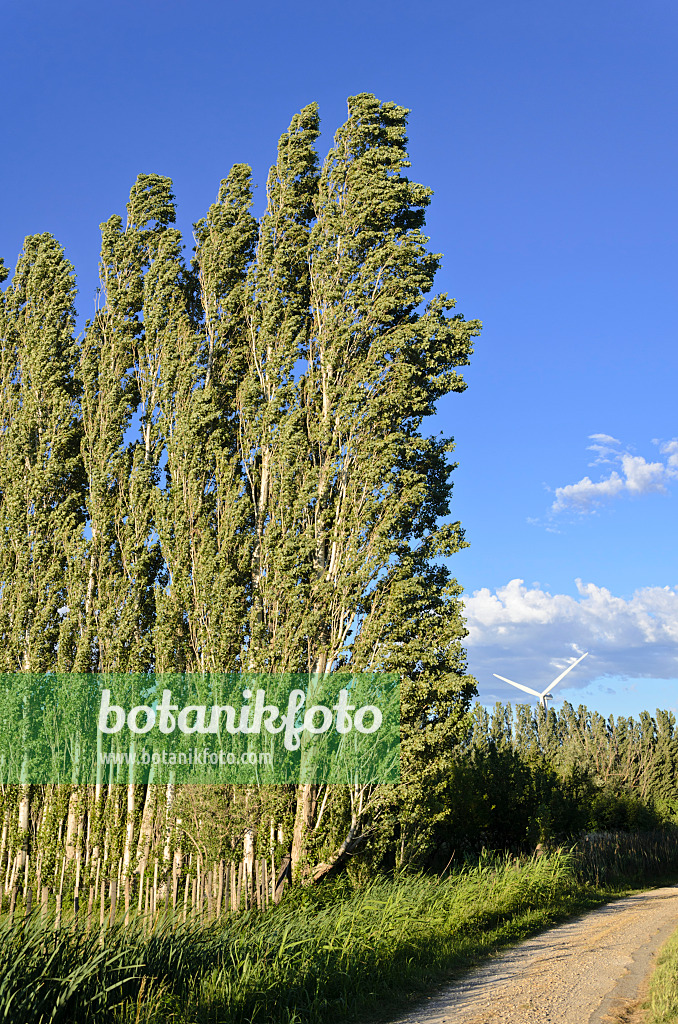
264,322
119,369
202,511
376,596
272,448
41,477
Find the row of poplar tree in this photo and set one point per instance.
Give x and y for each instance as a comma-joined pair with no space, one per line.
227,471
512,779
521,776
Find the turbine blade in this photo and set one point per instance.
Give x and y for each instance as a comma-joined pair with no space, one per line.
563,674
520,686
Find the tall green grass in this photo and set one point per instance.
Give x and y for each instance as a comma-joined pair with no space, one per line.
318,956
662,1005
323,954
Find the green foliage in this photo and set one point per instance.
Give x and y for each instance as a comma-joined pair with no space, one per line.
41,475
522,776
612,812
230,471
113,607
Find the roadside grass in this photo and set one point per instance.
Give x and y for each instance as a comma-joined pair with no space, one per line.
327,954
662,1003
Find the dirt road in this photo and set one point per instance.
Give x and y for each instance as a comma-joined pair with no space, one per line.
591,970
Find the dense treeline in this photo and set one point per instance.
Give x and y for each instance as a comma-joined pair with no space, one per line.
523,776
227,472
517,778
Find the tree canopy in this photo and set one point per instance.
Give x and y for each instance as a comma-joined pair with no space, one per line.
229,470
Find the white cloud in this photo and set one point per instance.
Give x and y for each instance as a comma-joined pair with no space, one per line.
635,476
605,448
585,494
670,449
604,439
643,477
530,635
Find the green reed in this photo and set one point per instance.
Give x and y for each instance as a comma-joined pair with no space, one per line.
322,954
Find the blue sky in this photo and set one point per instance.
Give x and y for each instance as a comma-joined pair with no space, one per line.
548,134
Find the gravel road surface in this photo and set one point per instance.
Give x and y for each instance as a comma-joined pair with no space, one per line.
591,970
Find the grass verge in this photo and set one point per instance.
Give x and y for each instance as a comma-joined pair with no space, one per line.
662,1004
323,955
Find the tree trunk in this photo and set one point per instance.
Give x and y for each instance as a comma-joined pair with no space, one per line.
24,821
349,845
307,798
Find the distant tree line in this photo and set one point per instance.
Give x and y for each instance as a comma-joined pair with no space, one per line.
521,776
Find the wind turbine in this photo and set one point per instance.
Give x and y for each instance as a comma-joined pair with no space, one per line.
546,695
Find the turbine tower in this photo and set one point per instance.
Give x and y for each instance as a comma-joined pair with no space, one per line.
546,694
